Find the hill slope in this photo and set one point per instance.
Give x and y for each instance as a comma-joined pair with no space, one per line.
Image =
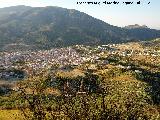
47,27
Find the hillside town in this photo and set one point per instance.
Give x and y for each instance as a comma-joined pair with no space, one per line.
31,61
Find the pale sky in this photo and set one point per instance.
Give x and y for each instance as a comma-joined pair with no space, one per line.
118,15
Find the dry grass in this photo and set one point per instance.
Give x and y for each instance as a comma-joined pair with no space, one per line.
131,46
125,78
72,74
11,115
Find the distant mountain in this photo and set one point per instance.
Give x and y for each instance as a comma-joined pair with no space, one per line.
142,32
47,27
136,26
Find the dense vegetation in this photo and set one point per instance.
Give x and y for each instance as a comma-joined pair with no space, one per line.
112,93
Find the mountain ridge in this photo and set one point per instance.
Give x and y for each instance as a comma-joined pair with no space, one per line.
135,26
47,27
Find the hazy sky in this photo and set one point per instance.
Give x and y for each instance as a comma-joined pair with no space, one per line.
118,15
